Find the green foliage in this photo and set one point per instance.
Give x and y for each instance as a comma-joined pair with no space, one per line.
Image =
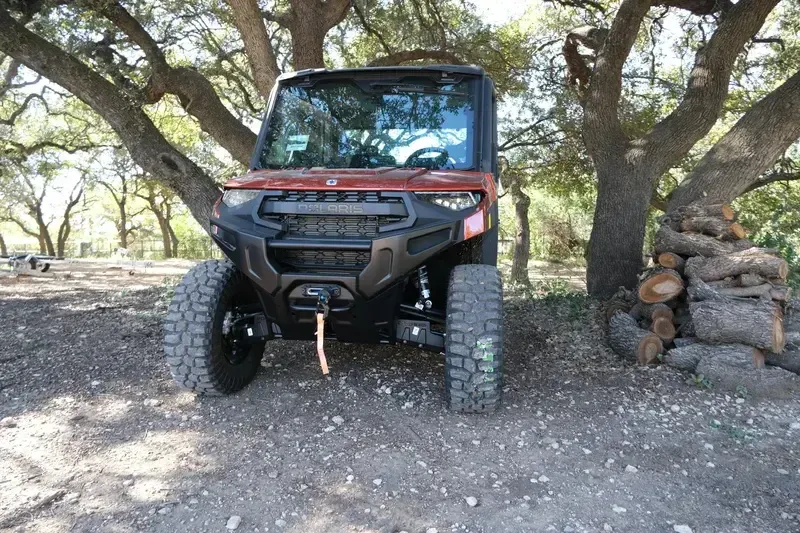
772,214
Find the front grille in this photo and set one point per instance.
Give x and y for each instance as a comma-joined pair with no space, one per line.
323,259
334,226
276,209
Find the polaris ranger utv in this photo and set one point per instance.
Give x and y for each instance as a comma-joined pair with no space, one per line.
369,215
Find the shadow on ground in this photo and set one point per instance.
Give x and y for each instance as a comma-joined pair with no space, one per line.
95,437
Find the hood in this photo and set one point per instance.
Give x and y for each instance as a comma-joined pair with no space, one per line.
348,179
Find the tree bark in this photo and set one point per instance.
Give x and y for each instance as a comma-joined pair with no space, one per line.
751,261
738,368
620,218
3,247
258,48
146,144
627,339
691,244
686,357
739,321
716,227
748,150
522,235
788,360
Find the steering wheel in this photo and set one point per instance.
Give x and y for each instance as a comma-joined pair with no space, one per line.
414,160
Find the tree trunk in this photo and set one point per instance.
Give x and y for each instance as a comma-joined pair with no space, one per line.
617,239
748,150
660,285
522,236
258,48
753,261
3,247
45,239
308,42
147,146
740,321
627,339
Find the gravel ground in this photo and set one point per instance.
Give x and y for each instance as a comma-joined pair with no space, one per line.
95,437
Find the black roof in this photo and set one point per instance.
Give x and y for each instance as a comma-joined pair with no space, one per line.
344,72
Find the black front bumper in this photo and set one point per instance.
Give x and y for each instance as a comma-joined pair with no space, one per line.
366,293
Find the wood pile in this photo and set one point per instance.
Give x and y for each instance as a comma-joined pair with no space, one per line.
713,304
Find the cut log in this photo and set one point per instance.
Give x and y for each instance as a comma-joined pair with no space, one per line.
788,360
739,321
734,264
724,283
739,368
690,244
698,291
623,300
759,291
627,339
680,342
723,211
780,293
671,261
750,279
664,328
643,311
660,285
686,357
716,227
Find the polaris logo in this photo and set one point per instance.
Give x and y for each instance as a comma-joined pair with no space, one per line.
344,209
331,182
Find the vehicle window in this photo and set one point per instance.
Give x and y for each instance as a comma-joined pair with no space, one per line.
345,125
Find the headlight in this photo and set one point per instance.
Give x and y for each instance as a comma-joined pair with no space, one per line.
236,197
457,201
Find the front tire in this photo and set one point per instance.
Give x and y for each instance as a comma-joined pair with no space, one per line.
474,342
201,354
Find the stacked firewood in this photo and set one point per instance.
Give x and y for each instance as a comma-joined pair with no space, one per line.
713,304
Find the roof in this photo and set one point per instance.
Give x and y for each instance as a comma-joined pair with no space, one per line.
455,69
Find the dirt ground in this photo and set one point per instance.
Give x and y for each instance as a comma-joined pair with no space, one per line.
95,437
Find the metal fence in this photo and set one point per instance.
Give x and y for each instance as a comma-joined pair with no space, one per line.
199,248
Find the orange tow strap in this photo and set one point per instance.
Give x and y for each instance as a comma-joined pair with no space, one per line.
323,362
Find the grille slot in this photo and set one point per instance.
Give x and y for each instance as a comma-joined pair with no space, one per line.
323,259
338,196
333,226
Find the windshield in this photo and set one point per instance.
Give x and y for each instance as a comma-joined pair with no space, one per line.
341,124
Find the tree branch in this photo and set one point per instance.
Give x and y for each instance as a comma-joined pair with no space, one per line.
146,144
194,91
258,48
747,150
772,177
602,127
707,86
417,54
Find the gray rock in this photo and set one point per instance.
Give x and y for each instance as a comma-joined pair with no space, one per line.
233,522
472,501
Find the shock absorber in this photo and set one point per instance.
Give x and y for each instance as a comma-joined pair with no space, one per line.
424,301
